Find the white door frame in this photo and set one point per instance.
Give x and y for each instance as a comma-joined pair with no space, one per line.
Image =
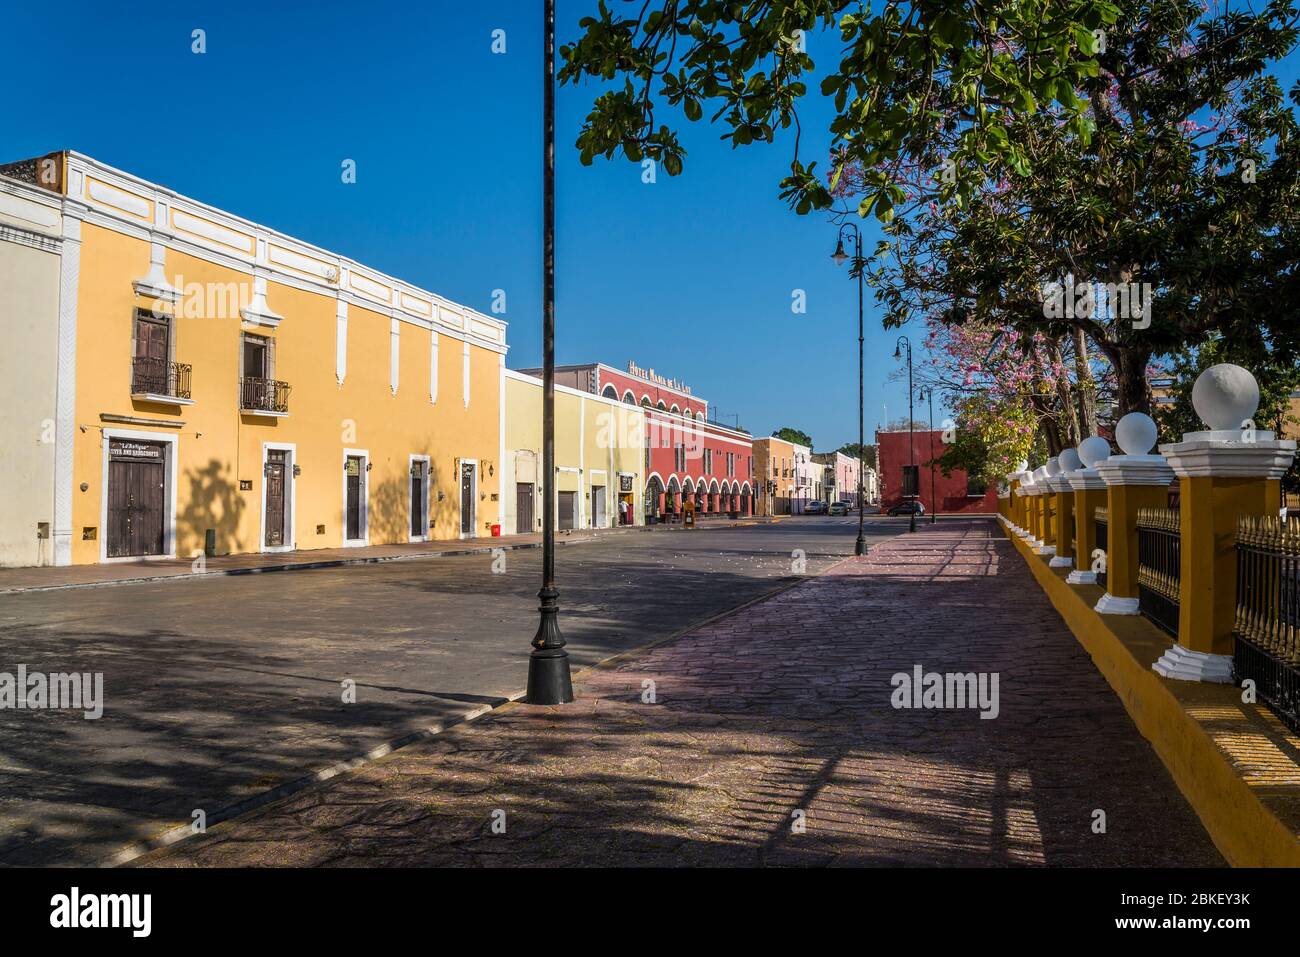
290,494
460,504
364,511
169,493
428,481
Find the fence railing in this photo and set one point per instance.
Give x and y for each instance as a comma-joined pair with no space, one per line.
150,376
1267,629
1102,520
1159,566
263,395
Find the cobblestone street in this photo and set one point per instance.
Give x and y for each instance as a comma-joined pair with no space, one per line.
776,715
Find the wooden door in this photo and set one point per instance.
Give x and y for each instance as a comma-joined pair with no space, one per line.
354,532
417,500
136,503
152,350
567,500
525,518
277,461
467,498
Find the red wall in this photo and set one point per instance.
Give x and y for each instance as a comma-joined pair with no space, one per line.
644,387
950,491
665,431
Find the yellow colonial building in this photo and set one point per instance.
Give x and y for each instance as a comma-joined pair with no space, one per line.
218,382
599,458
774,471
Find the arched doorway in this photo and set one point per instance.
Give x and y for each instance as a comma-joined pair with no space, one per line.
654,493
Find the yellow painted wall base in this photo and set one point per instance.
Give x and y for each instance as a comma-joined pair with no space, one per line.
1231,761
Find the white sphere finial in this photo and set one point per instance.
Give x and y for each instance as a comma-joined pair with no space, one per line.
1136,433
1053,466
1070,461
1040,473
1094,450
1023,466
1225,396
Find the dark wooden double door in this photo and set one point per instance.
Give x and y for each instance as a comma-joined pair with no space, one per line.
354,518
419,499
277,467
525,501
137,509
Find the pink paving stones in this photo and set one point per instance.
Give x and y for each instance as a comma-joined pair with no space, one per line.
777,714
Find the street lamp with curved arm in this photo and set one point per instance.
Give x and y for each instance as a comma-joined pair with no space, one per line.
903,341
840,257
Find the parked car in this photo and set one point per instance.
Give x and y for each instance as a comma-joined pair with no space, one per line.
907,508
815,507
839,508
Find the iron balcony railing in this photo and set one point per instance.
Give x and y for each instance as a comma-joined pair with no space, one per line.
1101,519
160,377
1267,629
263,395
1159,534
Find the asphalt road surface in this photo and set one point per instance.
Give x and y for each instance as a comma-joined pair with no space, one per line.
220,689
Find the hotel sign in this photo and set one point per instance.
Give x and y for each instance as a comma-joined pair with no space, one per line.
651,376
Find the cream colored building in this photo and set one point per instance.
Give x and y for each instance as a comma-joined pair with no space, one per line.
33,245
599,458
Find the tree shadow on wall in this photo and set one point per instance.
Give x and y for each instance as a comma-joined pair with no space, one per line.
214,501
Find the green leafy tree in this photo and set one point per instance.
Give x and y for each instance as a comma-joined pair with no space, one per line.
916,82
868,453
795,436
1183,185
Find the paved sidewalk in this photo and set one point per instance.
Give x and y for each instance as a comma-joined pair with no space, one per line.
779,711
79,576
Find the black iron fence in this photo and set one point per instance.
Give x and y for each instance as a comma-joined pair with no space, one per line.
1267,630
160,377
263,395
1101,519
1159,537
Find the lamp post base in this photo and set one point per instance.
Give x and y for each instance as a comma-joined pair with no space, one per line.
860,546
549,681
548,677
911,524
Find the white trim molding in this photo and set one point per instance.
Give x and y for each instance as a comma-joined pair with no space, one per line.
363,510
169,493
1182,664
290,498
428,491
341,342
65,401
1110,605
1267,458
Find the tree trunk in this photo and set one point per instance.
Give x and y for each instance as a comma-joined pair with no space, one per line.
1134,392
1068,419
1086,387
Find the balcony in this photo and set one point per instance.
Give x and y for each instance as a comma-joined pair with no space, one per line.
263,396
160,380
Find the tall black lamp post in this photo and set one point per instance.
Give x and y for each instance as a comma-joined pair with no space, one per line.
549,681
911,425
928,393
840,256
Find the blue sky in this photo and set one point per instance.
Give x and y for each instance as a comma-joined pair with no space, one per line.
693,275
